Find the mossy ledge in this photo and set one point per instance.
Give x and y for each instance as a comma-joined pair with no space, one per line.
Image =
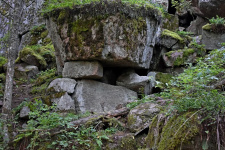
103,8
174,35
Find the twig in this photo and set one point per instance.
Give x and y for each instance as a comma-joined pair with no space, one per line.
218,133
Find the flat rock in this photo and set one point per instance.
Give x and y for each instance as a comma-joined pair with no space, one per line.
141,115
133,81
83,70
65,102
95,96
63,85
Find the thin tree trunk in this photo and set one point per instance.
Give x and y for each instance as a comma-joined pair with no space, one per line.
14,42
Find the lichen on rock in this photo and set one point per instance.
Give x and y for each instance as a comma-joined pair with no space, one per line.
172,132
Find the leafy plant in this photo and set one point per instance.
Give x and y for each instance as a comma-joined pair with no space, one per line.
193,89
217,21
181,4
43,118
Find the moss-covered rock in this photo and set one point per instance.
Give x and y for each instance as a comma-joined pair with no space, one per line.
117,37
174,35
180,57
171,40
141,115
173,132
170,22
39,35
39,56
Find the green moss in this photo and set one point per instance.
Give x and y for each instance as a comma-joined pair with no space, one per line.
29,51
44,34
47,41
81,37
188,52
37,30
178,130
38,33
63,15
133,27
170,22
163,78
42,54
207,27
168,33
3,61
128,143
153,138
180,56
2,77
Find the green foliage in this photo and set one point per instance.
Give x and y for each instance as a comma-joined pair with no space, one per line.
181,4
37,30
217,21
200,49
43,118
42,54
192,90
140,101
1,136
4,40
42,81
3,61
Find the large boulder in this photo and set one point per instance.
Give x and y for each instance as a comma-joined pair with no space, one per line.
133,81
83,69
142,115
212,39
211,8
171,39
95,96
63,85
124,37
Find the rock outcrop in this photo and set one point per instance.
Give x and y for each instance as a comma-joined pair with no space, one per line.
114,37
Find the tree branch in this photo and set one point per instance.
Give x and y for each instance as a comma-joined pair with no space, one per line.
7,4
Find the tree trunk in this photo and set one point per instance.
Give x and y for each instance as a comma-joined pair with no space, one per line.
14,41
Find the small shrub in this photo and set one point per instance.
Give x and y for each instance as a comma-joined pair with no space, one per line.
217,21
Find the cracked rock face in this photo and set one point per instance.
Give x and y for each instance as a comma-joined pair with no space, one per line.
95,96
114,40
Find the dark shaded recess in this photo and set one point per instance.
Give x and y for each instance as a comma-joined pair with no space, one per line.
142,72
156,90
171,9
110,75
157,63
186,19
